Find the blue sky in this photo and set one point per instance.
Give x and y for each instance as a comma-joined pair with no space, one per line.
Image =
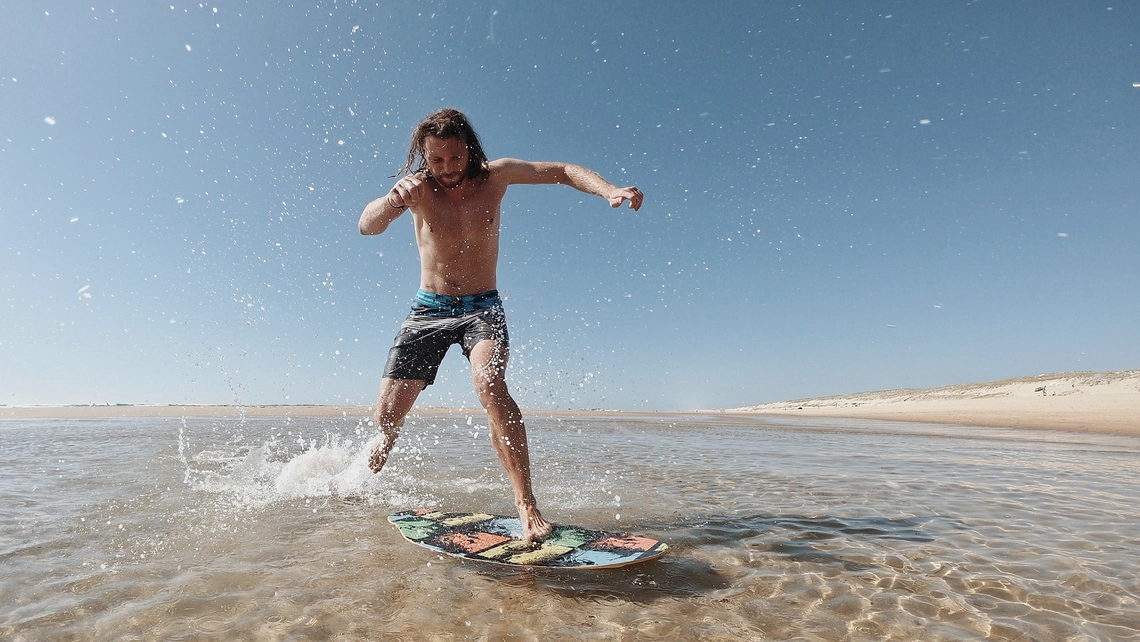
838,198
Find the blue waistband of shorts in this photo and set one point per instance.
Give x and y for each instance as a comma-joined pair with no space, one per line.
445,305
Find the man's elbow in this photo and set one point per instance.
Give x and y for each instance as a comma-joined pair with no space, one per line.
370,223
371,231
559,174
369,227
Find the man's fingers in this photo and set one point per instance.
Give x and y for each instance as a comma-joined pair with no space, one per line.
403,196
633,195
410,190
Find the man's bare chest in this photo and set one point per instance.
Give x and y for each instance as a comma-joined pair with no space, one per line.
477,214
460,222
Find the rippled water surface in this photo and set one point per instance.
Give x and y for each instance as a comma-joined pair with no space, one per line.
274,529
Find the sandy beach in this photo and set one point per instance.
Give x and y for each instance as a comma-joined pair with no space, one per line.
108,411
1107,402
104,411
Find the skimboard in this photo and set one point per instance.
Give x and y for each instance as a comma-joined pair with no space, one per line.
498,539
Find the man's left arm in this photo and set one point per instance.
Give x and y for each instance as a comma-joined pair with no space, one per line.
580,178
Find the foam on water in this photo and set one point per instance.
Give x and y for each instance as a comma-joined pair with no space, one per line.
287,467
262,474
330,469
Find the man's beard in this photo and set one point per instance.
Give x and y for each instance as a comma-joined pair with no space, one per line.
451,183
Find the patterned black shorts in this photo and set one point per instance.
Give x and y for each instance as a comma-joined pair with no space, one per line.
424,339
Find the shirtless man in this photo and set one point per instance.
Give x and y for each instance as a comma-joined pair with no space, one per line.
454,195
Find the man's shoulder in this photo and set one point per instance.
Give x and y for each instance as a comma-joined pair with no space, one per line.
513,170
506,165
502,171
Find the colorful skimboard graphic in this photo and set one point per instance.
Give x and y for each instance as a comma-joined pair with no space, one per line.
498,539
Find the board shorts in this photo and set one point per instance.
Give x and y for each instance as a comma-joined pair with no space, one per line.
438,321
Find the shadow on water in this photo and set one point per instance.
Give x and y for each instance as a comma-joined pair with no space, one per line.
682,574
795,537
722,530
671,577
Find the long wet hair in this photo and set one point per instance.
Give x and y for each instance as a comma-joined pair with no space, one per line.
447,123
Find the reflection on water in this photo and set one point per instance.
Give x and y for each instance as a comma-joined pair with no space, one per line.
825,529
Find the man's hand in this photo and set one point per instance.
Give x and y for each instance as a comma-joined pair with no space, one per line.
380,213
410,190
631,194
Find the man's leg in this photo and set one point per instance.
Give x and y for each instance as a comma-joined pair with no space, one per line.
397,396
508,434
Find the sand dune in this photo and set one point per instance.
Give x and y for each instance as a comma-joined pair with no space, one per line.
1081,401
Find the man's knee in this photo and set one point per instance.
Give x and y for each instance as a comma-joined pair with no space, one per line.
492,392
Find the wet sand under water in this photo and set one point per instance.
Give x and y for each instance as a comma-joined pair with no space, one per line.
813,529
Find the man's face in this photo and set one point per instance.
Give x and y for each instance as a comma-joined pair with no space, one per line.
447,159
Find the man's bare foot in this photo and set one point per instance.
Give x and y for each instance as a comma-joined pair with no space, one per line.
378,457
534,526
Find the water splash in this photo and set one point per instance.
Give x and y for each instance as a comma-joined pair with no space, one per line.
332,469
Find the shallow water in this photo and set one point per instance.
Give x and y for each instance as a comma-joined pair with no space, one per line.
799,529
